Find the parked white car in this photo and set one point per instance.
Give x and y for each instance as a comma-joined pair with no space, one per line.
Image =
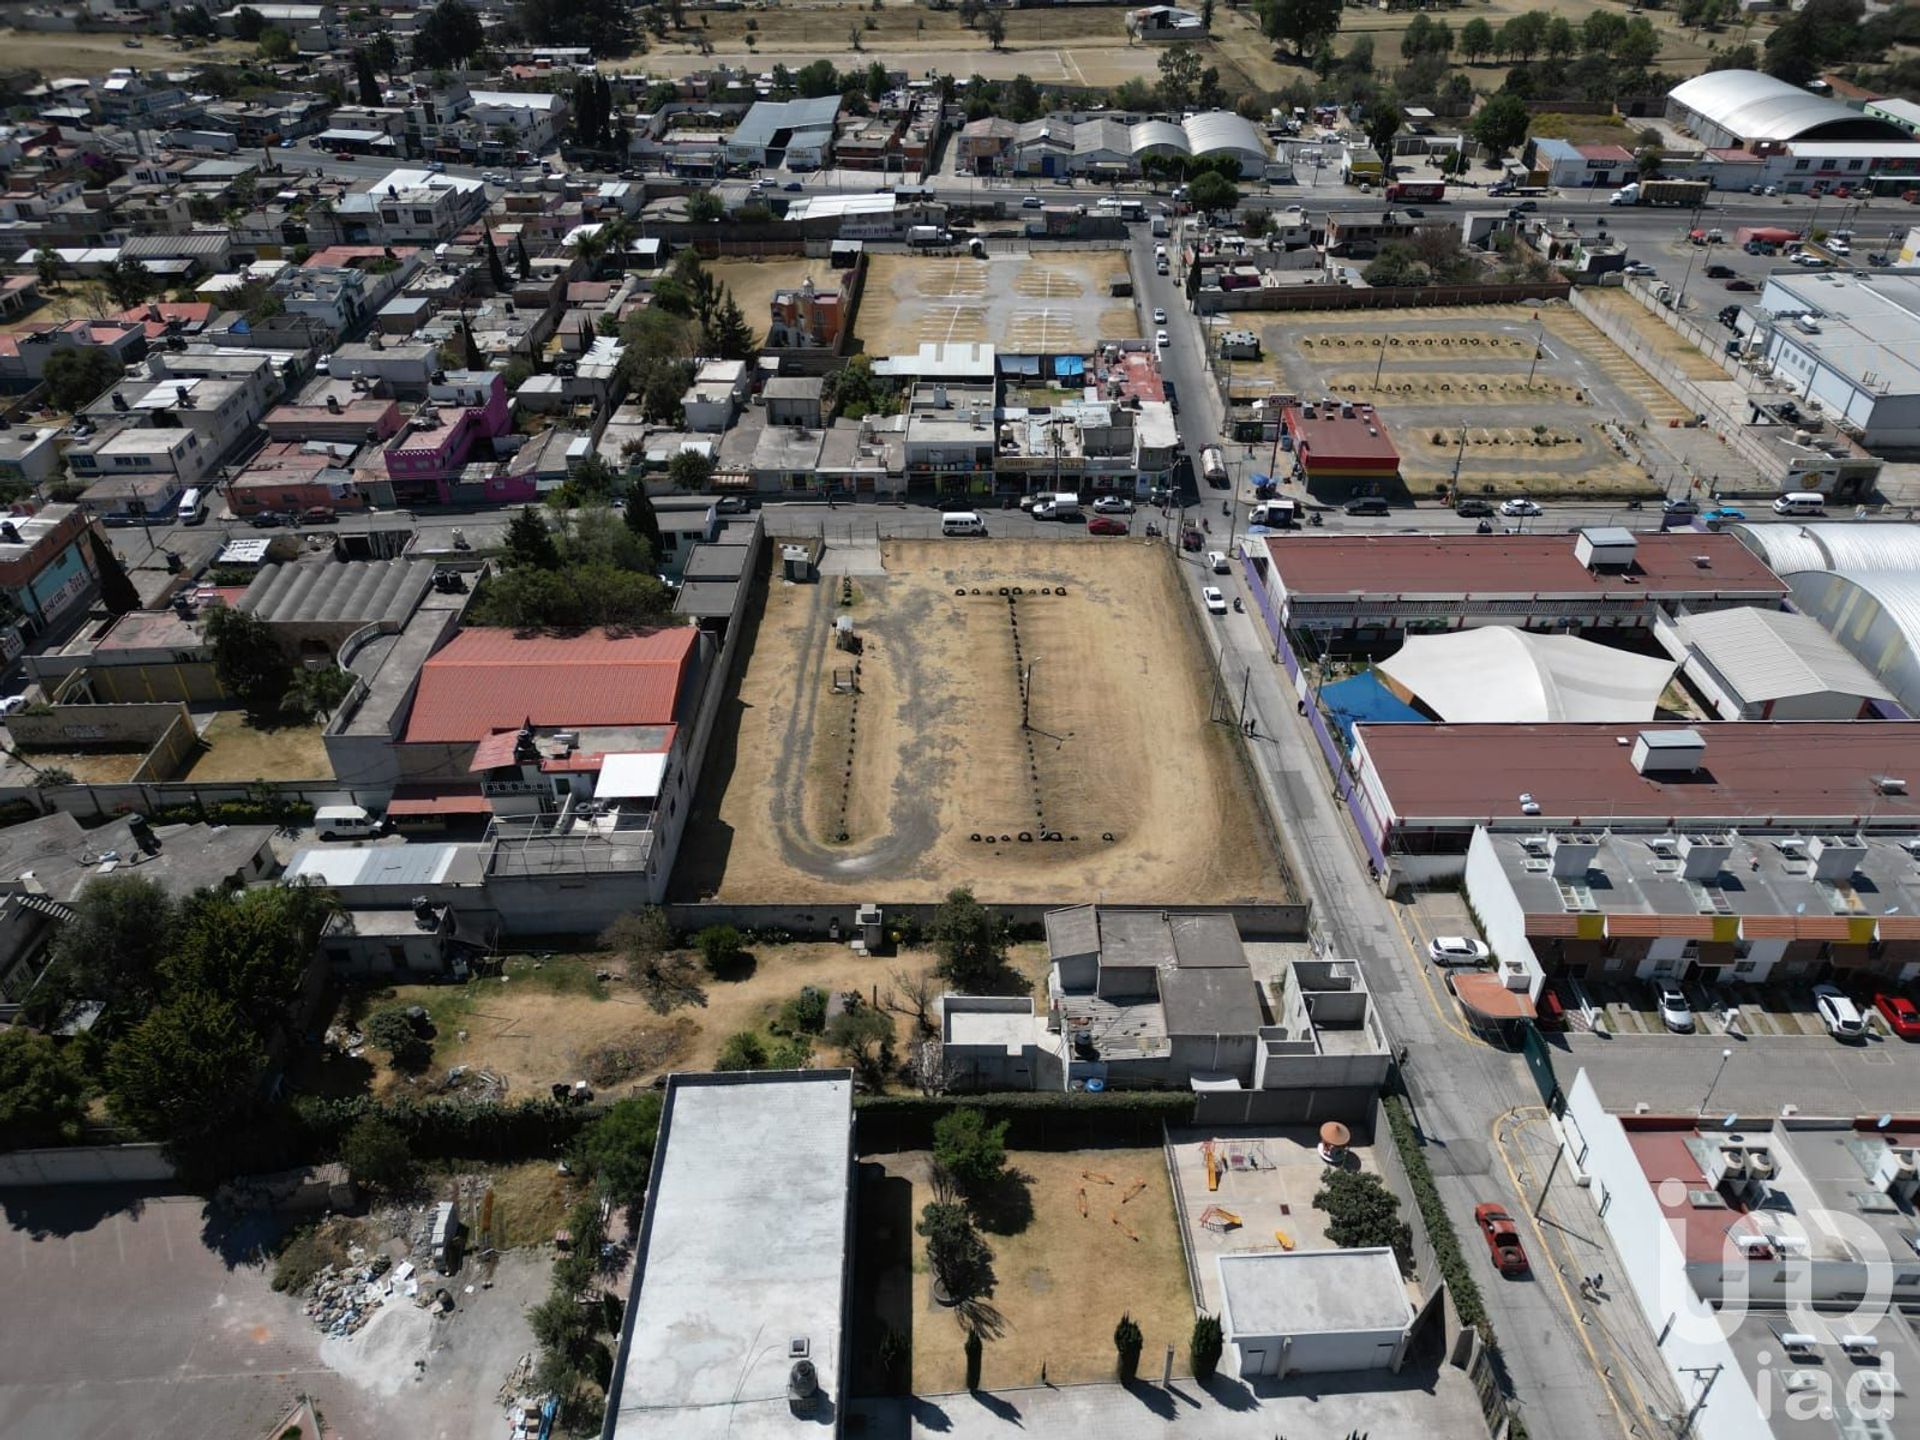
1519,505
1671,1001
1216,602
1456,950
1839,1014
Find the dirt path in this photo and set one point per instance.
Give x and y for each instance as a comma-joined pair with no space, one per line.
931,777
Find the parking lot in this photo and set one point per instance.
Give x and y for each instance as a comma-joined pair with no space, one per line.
143,1322
1041,304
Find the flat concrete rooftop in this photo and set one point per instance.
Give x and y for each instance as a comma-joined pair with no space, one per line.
1313,1292
743,1253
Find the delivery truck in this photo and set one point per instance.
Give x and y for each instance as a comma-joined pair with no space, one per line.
1417,190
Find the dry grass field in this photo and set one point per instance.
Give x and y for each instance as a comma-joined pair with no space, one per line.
55,55
1119,786
753,283
1101,1241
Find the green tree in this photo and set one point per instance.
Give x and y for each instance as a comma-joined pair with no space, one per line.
376,1155
250,947
578,597
618,1147
743,1050
276,45
854,392
1639,47
1361,1212
186,1070
129,283
720,947
392,1030
688,470
247,659
606,25
1502,123
728,335
1649,161
530,543
704,207
1476,40
1560,40
1738,57
248,23
42,1090
1600,31
1383,122
76,375
816,80
1204,1347
996,29
46,266
971,942
450,33
365,79
970,1149
960,1261
1303,26
1418,35
1807,41
1214,192
864,1036
111,950
1127,1342
1179,75
641,518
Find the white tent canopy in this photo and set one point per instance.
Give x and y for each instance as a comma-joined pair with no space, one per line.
1498,674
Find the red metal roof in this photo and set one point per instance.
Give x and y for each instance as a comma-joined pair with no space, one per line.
436,800
1755,772
497,749
1488,998
1327,439
1313,566
487,680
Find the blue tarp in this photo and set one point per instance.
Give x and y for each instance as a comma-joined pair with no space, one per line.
1364,697
1069,366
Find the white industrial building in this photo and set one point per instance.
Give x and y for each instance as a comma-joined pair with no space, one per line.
1059,145
1757,130
737,1324
1313,1312
1769,1257
1754,664
1849,340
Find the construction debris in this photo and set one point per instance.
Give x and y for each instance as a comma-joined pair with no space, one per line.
341,1301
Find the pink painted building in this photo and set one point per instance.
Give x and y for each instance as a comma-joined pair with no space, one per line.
464,410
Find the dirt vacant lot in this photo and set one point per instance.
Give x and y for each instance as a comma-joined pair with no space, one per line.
553,1020
1101,1242
753,283
1537,387
1061,300
1118,786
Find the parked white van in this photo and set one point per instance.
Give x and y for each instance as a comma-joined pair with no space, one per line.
962,522
1801,502
193,508
344,822
1217,562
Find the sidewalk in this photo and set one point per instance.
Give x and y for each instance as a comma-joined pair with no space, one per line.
1566,1240
1414,1402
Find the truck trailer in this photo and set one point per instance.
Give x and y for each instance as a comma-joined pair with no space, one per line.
1417,190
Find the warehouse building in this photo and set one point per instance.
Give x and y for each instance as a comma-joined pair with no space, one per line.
1851,341
1746,110
1754,664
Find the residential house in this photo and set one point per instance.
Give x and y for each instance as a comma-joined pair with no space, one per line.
46,568
463,412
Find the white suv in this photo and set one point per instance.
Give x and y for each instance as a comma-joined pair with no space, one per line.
1456,950
1839,1014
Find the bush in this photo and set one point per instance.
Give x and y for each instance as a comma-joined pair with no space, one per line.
719,947
618,1150
1127,1341
969,1148
960,1260
1362,1213
376,1155
1203,1349
742,1051
805,1014
1468,1303
393,1031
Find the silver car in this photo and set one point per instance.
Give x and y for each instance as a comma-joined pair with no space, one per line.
1671,1001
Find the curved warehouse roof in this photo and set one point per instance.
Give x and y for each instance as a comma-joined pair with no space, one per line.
1499,674
1795,549
1161,136
1876,615
1758,107
1215,132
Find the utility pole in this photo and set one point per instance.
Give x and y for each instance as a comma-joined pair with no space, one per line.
1459,455
1246,680
1539,342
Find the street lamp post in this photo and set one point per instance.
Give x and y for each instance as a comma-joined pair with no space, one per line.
1725,1055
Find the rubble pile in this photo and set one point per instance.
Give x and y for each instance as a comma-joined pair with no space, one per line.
340,1301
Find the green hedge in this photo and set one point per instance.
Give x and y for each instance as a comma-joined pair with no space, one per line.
1036,1119
1468,1303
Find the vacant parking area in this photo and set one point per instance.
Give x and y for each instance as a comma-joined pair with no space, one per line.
1536,393
122,1320
1057,301
1043,747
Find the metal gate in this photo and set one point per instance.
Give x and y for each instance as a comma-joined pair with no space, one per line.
1540,1065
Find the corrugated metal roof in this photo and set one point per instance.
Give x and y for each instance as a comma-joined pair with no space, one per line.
1213,131
351,592
1772,654
1753,106
487,680
1833,545
344,866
